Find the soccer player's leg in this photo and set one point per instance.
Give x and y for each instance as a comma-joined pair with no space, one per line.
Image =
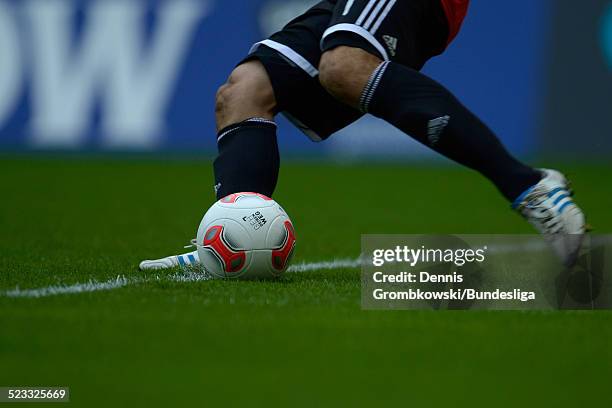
425,110
248,157
279,75
373,51
248,153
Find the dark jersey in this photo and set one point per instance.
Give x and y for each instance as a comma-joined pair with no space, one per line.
455,11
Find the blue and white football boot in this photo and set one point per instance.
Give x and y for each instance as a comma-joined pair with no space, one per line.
184,260
549,207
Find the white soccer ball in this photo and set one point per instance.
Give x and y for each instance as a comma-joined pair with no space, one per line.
246,236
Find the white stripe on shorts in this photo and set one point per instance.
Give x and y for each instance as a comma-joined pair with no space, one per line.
382,17
374,14
365,12
347,8
288,52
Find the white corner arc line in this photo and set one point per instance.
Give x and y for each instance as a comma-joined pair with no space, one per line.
326,265
91,286
187,276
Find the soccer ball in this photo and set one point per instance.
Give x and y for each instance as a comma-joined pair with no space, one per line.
246,236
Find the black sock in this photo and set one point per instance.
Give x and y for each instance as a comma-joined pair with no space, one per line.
248,158
425,110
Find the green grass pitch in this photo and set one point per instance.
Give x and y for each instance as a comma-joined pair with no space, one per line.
301,341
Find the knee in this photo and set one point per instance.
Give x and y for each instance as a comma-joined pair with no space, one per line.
334,74
344,72
246,88
248,93
224,98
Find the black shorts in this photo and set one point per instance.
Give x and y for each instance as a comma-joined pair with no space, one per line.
408,32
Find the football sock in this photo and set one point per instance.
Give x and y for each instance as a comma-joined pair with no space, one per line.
248,158
428,112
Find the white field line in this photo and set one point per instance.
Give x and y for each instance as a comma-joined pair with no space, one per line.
91,286
189,276
328,265
185,276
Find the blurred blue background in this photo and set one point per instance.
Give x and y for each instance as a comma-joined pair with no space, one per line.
141,75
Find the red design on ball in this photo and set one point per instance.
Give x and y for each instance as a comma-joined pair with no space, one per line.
233,260
281,257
